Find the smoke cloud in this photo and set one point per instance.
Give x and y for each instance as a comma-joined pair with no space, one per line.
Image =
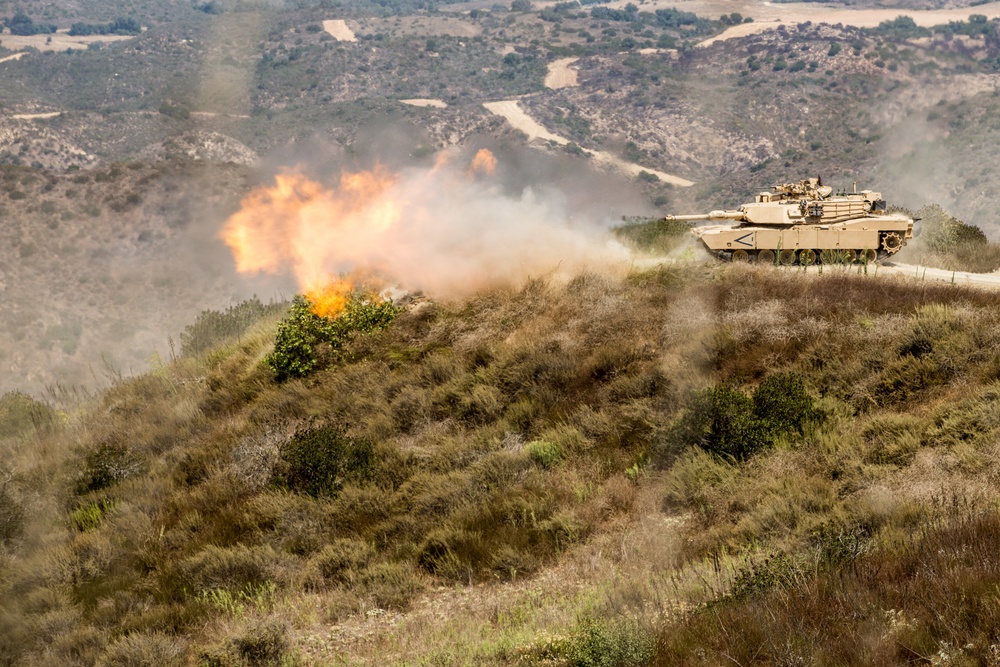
448,230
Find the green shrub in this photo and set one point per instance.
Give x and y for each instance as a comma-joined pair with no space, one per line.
318,461
721,421
20,413
89,516
726,422
782,404
600,643
307,341
106,466
653,234
544,453
212,328
753,579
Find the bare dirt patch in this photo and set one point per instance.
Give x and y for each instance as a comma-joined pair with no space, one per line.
519,119
36,116
339,29
561,75
13,56
420,102
59,41
516,116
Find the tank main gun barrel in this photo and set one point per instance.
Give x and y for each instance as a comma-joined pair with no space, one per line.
711,215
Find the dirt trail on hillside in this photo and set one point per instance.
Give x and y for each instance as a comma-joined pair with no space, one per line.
13,56
423,102
339,29
519,119
58,41
36,116
561,75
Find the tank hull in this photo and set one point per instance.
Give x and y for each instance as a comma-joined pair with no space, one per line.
869,238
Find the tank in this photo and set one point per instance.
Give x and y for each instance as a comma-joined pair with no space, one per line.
805,223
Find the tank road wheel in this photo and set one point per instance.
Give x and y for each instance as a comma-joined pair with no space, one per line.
765,257
741,256
847,256
867,256
891,243
807,257
786,257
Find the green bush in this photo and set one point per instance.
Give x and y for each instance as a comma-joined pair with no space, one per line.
106,466
318,461
305,340
212,327
544,453
600,643
726,422
782,404
20,413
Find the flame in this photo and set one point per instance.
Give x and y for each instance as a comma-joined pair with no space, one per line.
440,231
484,162
331,299
289,224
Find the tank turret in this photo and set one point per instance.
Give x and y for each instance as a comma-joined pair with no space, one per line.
805,222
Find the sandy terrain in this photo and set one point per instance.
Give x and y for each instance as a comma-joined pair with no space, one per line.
59,41
741,30
516,116
941,275
420,102
14,56
768,15
338,28
36,116
214,114
799,12
422,26
561,75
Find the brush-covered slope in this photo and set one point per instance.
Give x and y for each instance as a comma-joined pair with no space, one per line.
549,475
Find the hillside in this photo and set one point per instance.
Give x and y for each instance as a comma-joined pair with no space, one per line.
351,333
541,475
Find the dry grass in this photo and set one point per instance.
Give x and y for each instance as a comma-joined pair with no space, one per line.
507,511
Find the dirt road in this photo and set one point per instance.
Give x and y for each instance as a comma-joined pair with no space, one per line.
989,280
519,119
36,116
560,74
422,102
59,41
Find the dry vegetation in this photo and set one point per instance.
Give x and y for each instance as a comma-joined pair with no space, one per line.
208,512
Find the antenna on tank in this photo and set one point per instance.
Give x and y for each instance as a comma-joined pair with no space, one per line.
855,187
